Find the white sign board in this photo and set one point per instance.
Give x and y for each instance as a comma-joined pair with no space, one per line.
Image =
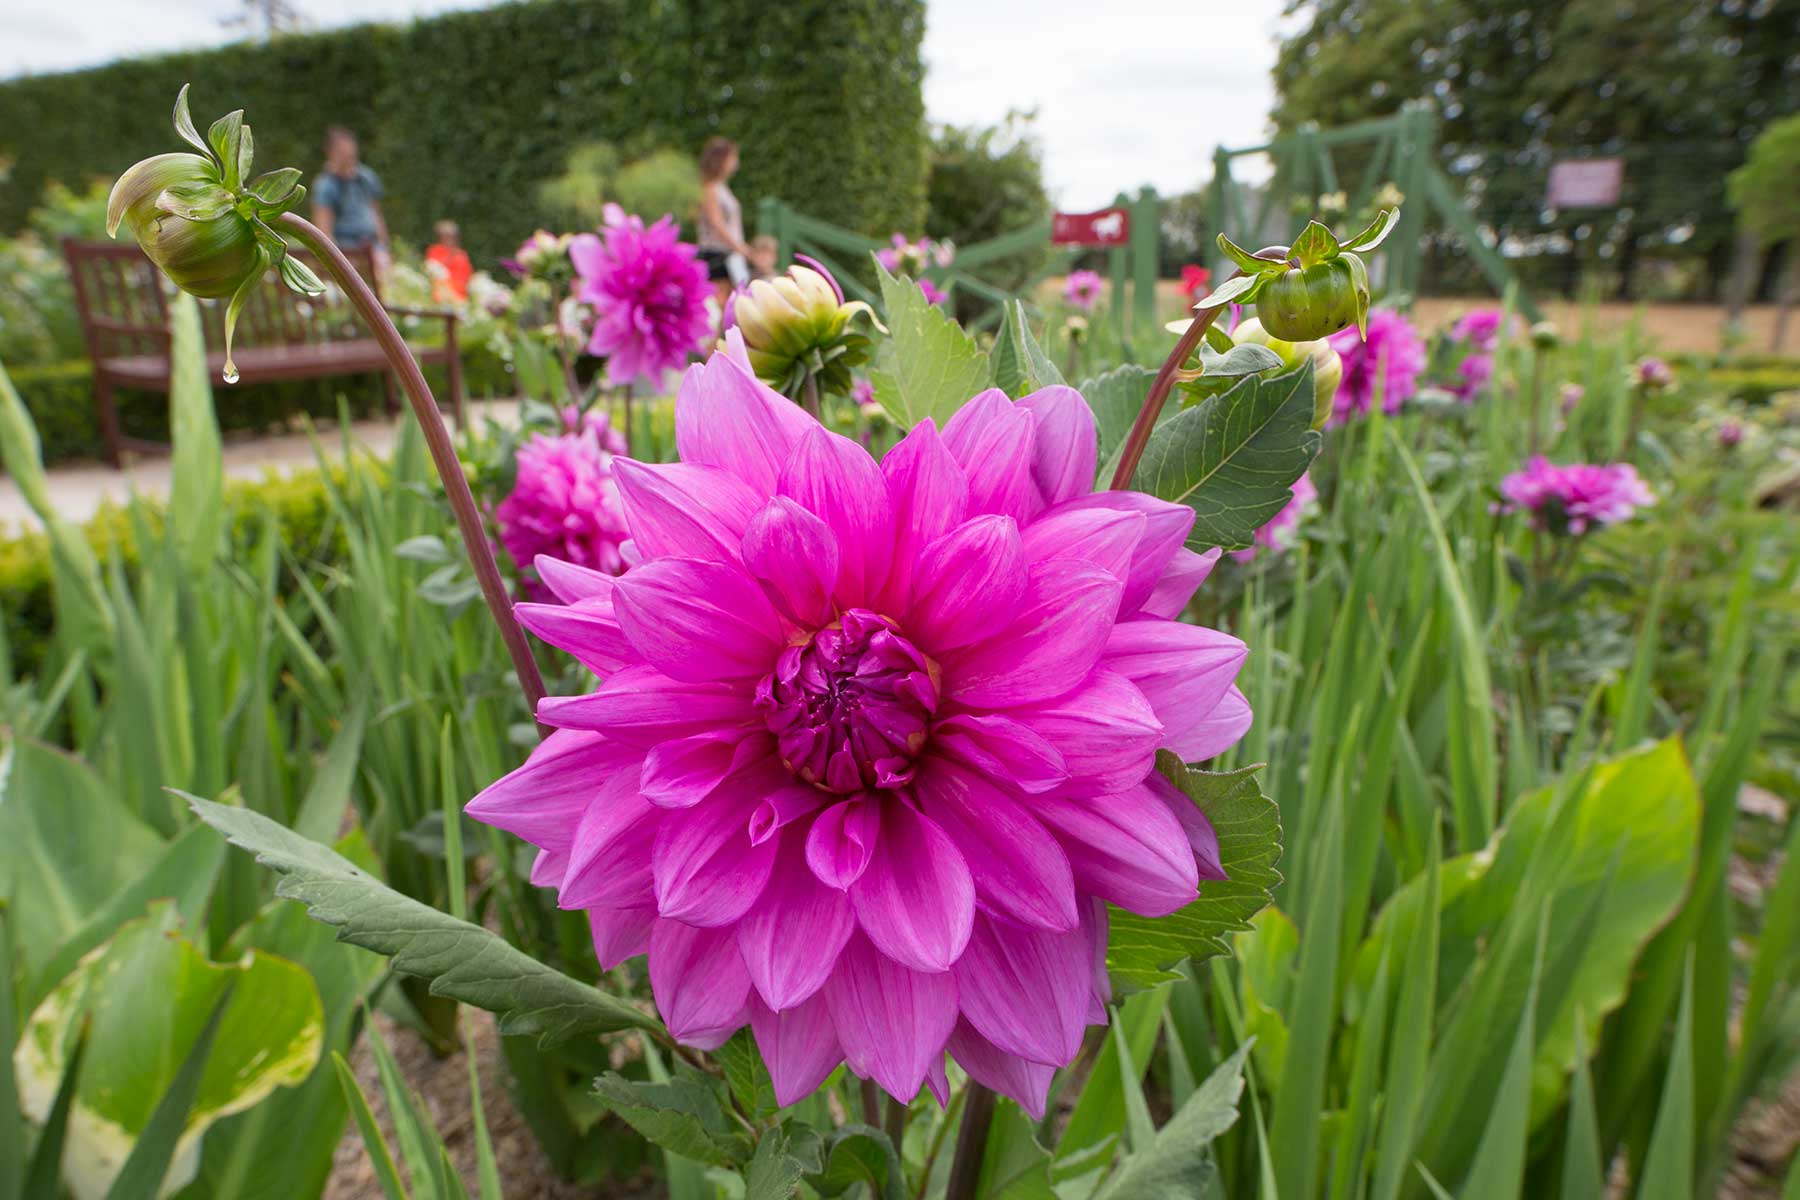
1586,183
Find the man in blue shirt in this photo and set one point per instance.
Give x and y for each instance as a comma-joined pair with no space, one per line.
347,196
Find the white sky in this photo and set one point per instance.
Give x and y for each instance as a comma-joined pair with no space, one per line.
1127,92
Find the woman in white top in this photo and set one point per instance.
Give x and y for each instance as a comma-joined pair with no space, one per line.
721,223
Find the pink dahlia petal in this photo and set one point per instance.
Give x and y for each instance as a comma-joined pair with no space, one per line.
1001,747
992,439
799,1046
1108,538
783,806
1184,672
842,842
542,800
795,555
1018,869
792,935
1026,990
620,933
892,1022
929,496
1126,848
725,417
1219,730
609,863
1061,628
1094,925
1200,833
1105,730
1025,1081
837,480
548,868
641,706
706,868
1167,527
968,581
588,629
570,582
699,982
916,900
1067,443
685,511
680,773
698,621
1179,582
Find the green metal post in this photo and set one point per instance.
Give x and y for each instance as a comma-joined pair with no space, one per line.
1221,206
1117,268
1146,245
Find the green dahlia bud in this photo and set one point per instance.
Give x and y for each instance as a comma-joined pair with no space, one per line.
797,325
1312,289
205,221
1328,367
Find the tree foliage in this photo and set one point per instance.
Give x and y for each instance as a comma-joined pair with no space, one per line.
1678,88
985,181
1765,191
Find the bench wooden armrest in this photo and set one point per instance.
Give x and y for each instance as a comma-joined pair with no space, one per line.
407,310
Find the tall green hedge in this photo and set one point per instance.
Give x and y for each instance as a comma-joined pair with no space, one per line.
463,115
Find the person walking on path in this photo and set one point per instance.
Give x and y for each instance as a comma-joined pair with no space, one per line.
347,197
721,225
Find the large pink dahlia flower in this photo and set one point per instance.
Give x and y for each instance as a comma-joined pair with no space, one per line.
564,503
1576,496
872,748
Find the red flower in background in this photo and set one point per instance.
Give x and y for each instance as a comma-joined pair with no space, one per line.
1194,280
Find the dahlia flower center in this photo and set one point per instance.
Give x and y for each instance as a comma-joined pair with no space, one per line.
851,707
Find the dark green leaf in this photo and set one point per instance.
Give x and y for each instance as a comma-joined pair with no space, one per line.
12,1118
1116,398
858,1154
1234,458
1583,1173
1314,245
682,1115
1019,363
746,1075
1014,1164
463,961
1175,1165
1142,949
148,1163
781,1160
42,1176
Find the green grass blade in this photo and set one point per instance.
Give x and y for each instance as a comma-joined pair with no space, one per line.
1301,1096
452,809
321,813
1634,706
148,1162
380,1156
487,1169
1140,1130
412,1129
197,479
43,1174
1668,1172
1411,1049
1583,1173
1499,1167
12,1118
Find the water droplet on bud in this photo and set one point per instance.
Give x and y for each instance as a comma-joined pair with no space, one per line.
231,373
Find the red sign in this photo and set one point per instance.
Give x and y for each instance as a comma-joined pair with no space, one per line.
1586,183
1108,227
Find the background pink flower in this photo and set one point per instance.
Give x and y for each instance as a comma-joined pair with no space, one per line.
564,503
933,293
1278,533
649,294
873,744
1576,496
1389,360
1082,289
1482,328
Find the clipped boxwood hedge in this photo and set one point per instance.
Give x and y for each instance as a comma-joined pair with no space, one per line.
463,115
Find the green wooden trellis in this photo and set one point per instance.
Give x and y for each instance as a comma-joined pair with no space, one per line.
1403,151
1131,268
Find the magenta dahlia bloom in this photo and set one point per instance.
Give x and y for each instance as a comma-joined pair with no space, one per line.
1652,374
872,748
1473,374
1482,328
565,503
1575,497
1082,290
649,292
1278,533
933,293
1388,360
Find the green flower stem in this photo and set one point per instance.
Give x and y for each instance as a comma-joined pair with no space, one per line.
437,439
1139,437
971,1138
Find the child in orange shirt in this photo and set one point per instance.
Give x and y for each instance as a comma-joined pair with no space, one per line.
451,279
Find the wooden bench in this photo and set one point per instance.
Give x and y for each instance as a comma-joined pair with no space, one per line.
122,301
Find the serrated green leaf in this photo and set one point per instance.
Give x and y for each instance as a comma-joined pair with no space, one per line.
1141,950
1116,398
746,1075
681,1115
1234,458
1315,244
1376,233
858,1154
779,1163
462,961
1019,363
929,367
184,124
1175,1165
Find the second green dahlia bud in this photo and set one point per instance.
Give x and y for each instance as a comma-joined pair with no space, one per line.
797,325
205,221
1328,366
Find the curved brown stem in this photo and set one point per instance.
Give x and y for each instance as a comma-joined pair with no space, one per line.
809,396
437,440
1139,437
971,1143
